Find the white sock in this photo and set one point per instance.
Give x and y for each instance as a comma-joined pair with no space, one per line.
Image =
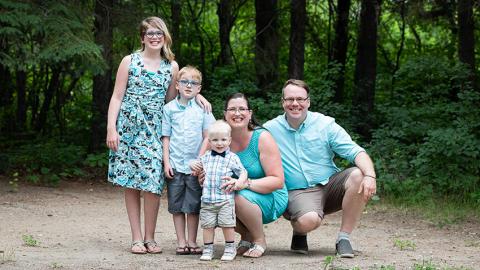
343,235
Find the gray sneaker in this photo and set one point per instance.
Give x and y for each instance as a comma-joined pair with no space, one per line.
344,249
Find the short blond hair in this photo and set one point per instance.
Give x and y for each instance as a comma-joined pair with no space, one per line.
219,127
190,69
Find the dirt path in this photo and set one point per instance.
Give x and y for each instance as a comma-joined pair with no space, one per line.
84,226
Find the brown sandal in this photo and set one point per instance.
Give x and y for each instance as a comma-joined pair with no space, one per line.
195,250
182,250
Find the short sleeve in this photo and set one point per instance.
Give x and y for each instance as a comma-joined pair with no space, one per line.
342,144
236,165
208,119
166,122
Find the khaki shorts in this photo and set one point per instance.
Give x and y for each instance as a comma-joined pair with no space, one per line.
220,214
321,199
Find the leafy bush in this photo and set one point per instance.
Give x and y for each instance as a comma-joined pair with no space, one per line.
429,142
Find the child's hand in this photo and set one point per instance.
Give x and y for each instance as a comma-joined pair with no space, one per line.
196,166
168,170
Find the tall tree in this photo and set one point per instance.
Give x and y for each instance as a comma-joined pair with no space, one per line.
102,83
466,39
366,67
225,23
176,17
266,43
340,46
297,39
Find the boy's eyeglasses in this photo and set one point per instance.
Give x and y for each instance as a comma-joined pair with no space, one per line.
240,110
299,100
151,34
190,82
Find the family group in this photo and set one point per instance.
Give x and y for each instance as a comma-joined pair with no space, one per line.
235,173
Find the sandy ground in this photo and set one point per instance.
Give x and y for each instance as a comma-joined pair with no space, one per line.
84,226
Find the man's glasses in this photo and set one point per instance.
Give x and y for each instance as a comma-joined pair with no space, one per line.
299,100
151,34
240,110
192,83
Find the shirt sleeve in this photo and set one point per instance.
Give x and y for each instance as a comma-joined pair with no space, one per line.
166,122
342,144
236,165
208,119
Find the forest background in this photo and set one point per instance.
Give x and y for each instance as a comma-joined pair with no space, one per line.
399,75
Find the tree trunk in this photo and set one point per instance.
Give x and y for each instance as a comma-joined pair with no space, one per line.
102,84
298,20
365,67
176,9
466,39
21,99
266,44
225,23
53,84
340,46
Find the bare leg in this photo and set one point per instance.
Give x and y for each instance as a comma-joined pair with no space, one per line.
208,235
251,216
151,204
132,202
353,203
192,228
244,235
306,223
228,234
179,224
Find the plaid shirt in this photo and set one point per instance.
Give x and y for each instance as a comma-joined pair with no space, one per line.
215,167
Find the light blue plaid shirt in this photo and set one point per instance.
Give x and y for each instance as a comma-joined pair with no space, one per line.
215,167
184,125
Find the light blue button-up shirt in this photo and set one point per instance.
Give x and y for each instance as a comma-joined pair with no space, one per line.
308,152
184,125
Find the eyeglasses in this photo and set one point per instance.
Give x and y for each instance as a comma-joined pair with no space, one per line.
191,82
151,34
240,110
299,100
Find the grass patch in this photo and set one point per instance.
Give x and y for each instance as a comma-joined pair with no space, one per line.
7,255
29,241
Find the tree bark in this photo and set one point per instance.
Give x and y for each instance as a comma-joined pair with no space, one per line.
266,44
340,46
176,10
466,39
53,84
365,67
298,20
102,84
225,23
21,99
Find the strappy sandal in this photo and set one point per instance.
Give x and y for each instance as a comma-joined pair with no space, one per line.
255,247
153,247
182,250
140,245
243,245
195,250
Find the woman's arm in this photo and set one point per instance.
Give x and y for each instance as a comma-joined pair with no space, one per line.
172,90
119,89
271,164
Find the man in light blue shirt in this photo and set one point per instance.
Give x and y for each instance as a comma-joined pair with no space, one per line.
184,137
308,142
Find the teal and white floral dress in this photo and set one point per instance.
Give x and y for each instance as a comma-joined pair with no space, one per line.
138,162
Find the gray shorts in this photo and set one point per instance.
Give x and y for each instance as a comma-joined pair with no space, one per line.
183,193
321,199
220,214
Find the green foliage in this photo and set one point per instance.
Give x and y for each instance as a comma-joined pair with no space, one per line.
29,241
429,141
404,244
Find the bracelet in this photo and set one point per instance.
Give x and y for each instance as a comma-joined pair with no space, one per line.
249,183
366,175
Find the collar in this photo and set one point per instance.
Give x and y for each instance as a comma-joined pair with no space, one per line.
302,125
180,105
